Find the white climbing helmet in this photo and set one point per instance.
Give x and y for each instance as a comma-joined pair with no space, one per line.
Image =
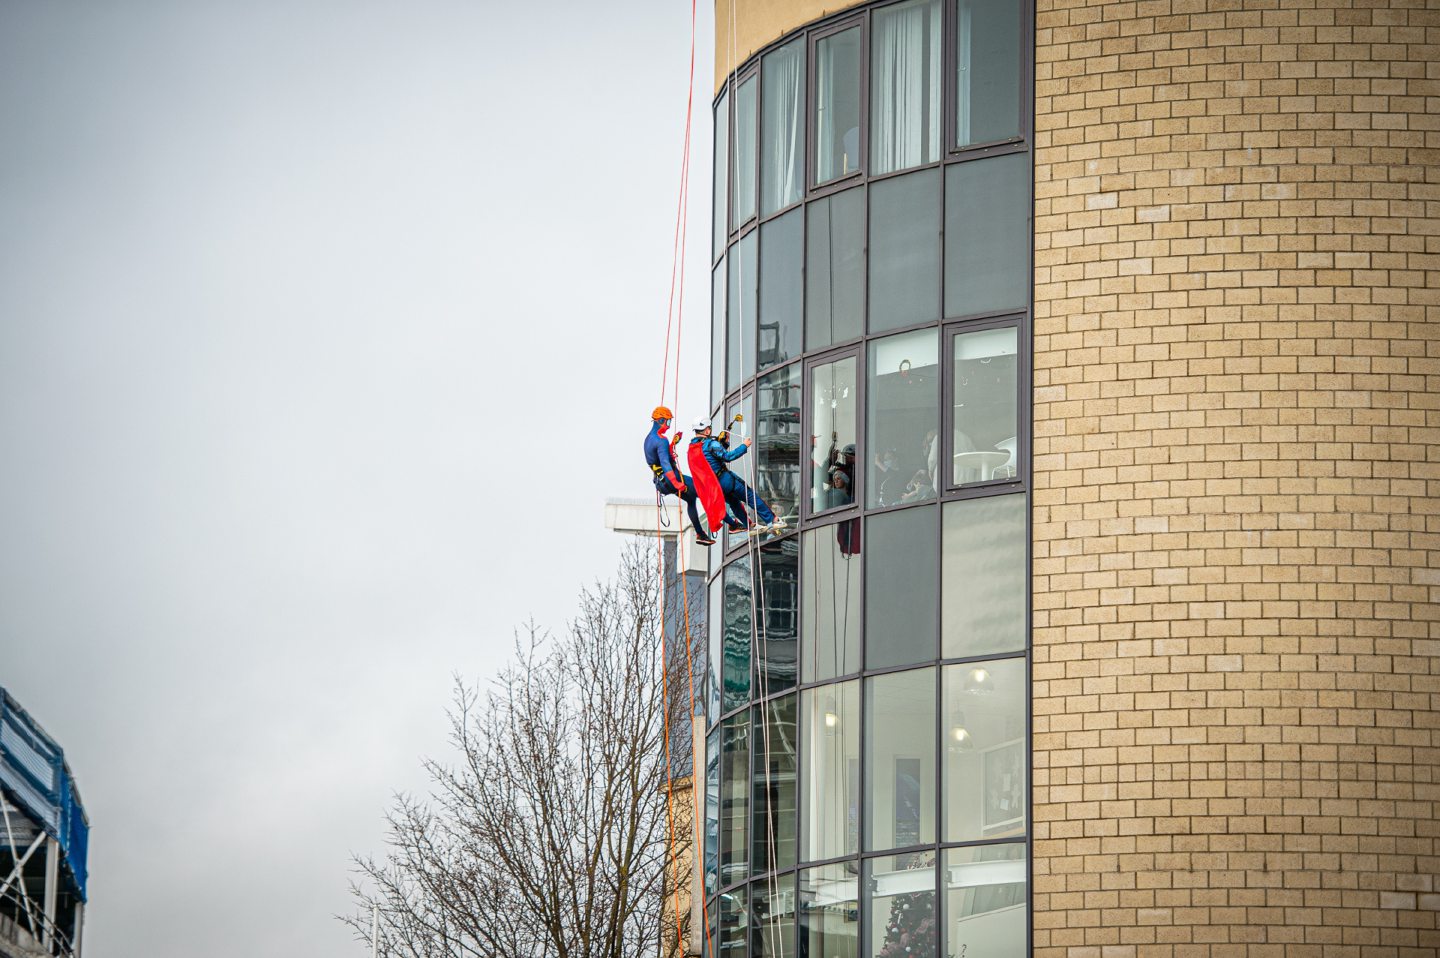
701,424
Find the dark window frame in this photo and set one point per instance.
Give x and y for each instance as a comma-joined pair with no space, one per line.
734,230
812,67
949,489
950,92
832,355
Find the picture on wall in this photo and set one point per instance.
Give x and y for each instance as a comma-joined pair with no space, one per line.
1002,793
907,802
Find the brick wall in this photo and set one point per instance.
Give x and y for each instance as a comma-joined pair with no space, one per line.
1237,479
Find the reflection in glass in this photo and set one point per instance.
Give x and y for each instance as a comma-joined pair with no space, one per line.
720,212
734,923
831,733
983,604
734,798
905,250
900,759
987,235
985,901
772,923
712,811
987,59
830,911
740,359
900,588
985,405
782,278
731,433
782,134
833,438
778,599
905,86
985,758
717,332
716,630
903,917
902,424
773,832
830,611
777,441
837,105
835,269
744,155
735,651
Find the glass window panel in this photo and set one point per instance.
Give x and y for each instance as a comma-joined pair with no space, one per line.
837,105
717,332
772,831
777,441
712,812
740,359
712,924
983,598
734,923
732,432
905,86
772,907
830,911
902,422
985,900
905,250
830,610
987,60
782,278
835,269
900,759
904,921
987,235
720,211
901,586
985,406
831,724
744,154
734,798
779,597
985,757
735,664
716,628
833,437
782,132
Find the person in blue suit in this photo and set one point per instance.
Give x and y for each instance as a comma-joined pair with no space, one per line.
738,495
669,480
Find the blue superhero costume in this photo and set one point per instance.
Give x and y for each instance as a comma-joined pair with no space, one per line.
667,476
737,494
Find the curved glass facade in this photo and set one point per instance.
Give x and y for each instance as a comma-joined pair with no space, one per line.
868,761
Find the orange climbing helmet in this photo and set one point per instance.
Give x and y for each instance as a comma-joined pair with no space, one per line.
661,412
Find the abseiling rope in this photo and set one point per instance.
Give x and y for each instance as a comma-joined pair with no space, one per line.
675,316
759,642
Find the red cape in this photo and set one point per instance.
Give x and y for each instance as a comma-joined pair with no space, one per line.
707,487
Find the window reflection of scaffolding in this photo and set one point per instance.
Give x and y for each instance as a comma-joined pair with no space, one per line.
777,467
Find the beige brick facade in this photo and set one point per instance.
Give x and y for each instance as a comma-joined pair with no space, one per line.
1237,479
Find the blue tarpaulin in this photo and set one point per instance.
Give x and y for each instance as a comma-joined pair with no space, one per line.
36,779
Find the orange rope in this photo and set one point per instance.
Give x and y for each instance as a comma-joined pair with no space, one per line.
675,311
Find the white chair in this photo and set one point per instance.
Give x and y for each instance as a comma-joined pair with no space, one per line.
1006,469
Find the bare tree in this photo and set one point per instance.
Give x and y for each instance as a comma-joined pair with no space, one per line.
549,835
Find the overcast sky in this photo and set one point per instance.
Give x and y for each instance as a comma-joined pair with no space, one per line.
326,328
